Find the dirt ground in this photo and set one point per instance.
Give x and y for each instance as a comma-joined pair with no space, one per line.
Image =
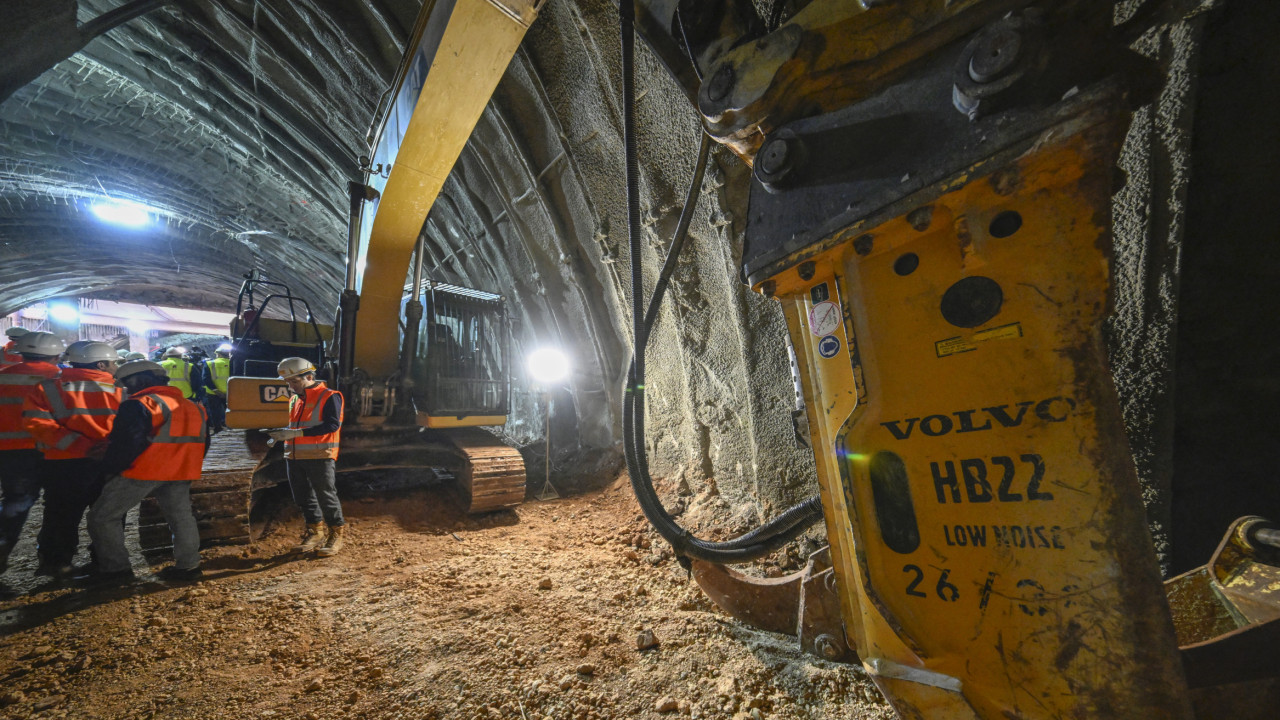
530,614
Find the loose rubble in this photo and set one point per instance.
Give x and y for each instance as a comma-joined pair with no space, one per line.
543,613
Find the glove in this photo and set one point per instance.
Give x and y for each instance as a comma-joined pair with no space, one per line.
283,434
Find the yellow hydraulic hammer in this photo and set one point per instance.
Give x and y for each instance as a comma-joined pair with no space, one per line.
938,232
980,498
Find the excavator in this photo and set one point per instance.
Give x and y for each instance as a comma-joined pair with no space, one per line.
930,207
416,399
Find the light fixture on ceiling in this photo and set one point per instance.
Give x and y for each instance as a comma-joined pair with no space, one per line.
122,212
64,313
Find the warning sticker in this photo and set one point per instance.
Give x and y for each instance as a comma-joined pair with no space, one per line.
829,346
960,344
952,346
824,318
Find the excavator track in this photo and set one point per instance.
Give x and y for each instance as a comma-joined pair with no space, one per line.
492,477
220,500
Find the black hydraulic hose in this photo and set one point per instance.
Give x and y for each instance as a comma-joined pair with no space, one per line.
792,522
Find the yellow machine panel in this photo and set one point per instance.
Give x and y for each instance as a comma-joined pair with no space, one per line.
256,403
432,421
982,507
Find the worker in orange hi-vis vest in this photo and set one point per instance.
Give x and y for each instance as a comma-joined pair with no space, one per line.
9,355
310,453
70,417
21,464
156,448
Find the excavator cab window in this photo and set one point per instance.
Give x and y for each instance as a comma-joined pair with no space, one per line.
463,354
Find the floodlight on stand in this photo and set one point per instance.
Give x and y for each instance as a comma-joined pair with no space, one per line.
548,366
64,313
122,212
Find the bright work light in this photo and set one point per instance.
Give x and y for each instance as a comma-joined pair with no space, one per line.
122,212
64,313
548,365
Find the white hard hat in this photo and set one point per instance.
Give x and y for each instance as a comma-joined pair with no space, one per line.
175,351
16,332
76,346
223,348
40,343
91,352
293,367
135,356
133,367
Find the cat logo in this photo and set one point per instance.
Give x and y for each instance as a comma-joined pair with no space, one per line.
274,393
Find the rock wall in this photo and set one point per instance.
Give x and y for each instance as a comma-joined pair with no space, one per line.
536,209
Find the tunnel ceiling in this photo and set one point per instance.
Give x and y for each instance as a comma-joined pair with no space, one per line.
238,120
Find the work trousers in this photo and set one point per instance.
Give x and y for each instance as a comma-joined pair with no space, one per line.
315,491
20,472
217,407
70,487
119,496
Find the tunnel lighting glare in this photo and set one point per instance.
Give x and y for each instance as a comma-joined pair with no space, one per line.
122,212
64,313
548,365
137,328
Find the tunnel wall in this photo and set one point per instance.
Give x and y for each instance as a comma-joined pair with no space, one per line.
535,209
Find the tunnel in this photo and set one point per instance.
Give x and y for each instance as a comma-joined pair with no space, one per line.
238,126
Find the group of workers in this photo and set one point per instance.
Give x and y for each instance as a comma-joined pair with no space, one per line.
102,433
202,381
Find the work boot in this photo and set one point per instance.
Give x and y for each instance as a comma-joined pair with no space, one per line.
173,573
312,538
55,570
333,543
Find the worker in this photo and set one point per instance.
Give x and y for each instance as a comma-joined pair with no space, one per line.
70,417
156,447
10,356
310,451
21,464
217,372
135,356
179,370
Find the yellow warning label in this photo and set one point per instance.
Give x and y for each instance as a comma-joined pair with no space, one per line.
1004,332
960,344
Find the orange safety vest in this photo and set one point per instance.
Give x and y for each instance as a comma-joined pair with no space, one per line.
10,354
178,428
305,413
71,414
16,382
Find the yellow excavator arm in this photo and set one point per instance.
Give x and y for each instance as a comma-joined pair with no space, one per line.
459,51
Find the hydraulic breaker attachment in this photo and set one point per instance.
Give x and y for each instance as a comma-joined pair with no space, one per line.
941,250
